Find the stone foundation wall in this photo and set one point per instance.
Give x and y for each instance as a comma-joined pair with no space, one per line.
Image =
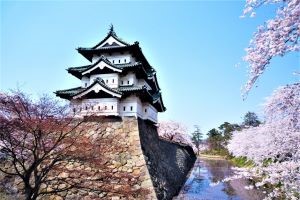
168,163
159,166
129,160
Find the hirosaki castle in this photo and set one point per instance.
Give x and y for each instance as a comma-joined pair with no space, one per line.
119,81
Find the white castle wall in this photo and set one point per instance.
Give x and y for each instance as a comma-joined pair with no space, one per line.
143,82
103,106
128,107
128,79
112,80
85,81
149,112
117,58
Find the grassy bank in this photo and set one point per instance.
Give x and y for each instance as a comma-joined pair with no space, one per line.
209,156
241,162
224,154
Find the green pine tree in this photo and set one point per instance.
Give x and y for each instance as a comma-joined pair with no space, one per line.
197,136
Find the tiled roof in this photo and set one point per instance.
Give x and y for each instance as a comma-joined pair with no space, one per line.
77,71
130,88
75,91
134,48
128,65
113,34
119,66
70,92
123,90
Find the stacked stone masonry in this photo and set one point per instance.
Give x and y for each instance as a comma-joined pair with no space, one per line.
160,165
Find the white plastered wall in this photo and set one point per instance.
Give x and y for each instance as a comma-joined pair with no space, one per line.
149,112
85,81
130,106
111,80
103,106
117,58
128,79
114,107
142,82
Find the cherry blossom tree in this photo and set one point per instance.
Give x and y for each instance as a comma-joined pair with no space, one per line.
275,145
171,129
47,151
276,37
174,131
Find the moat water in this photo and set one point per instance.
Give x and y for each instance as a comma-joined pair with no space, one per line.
199,185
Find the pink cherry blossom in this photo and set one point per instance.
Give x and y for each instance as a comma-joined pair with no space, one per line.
276,37
276,142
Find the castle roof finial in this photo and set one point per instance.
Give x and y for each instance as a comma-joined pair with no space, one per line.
111,30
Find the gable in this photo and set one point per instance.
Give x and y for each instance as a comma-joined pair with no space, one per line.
111,41
101,65
97,88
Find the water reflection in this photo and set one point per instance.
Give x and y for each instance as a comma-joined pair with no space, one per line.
198,186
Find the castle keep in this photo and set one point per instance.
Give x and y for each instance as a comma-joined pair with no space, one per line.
118,82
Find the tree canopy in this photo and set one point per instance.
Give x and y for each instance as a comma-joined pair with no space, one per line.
48,151
251,119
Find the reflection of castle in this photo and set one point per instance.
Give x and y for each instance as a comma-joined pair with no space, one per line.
118,82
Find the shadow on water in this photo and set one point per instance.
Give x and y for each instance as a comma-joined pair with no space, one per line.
204,173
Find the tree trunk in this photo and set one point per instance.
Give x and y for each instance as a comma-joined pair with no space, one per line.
30,194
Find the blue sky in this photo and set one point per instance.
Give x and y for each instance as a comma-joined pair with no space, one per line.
193,45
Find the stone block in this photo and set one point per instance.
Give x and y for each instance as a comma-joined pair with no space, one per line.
139,163
63,175
146,184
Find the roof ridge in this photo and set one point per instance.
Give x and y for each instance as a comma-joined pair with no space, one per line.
69,89
83,66
101,82
113,34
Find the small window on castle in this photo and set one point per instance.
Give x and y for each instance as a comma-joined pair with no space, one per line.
122,82
119,61
106,80
124,108
131,108
125,60
85,84
74,110
92,107
113,61
98,107
105,108
86,108
112,107
113,80
145,110
128,82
